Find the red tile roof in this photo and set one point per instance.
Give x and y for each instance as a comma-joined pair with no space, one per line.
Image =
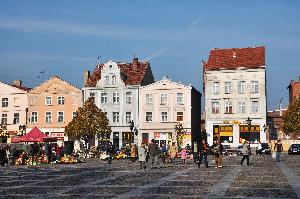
232,58
22,88
134,72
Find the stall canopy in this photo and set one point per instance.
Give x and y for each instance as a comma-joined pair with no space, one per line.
35,135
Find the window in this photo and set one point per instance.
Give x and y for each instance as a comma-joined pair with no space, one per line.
92,94
73,114
48,100
164,116
228,106
115,117
254,86
128,117
179,116
179,98
128,97
60,117
4,102
116,97
106,80
16,118
4,118
48,117
17,102
254,106
215,107
114,79
216,88
227,87
163,98
149,99
104,97
241,87
148,116
61,100
241,107
34,117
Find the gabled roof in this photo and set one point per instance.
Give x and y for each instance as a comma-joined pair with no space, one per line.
22,89
52,78
232,58
134,72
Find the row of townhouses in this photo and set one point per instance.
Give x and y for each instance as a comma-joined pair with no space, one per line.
140,109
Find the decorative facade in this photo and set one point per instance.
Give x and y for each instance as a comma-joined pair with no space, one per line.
165,104
14,104
234,83
52,105
115,86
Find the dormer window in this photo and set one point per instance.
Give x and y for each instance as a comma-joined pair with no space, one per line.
114,80
106,79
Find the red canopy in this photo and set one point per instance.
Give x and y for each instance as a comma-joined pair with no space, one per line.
35,135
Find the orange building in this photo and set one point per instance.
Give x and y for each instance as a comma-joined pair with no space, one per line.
52,105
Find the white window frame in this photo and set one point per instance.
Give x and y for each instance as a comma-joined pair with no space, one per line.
149,98
58,117
114,80
215,109
164,116
106,79
163,98
254,109
254,86
61,100
48,118
73,114
179,98
48,100
116,97
103,97
128,97
128,117
149,116
241,107
241,87
116,117
4,118
179,115
16,119
227,87
34,117
5,102
227,105
216,88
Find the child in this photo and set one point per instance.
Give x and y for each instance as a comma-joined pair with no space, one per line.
183,156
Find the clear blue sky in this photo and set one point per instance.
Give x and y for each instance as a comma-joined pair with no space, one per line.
64,37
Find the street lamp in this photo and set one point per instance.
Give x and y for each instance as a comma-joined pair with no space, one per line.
131,126
249,127
22,128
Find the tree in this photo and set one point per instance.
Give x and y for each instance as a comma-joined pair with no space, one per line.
291,118
88,122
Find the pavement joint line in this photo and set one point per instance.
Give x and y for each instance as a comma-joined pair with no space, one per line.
293,179
153,184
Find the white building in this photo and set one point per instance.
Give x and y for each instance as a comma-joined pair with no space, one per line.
115,87
234,83
165,104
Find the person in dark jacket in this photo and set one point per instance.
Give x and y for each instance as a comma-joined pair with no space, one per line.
153,153
2,156
203,154
278,149
110,152
217,149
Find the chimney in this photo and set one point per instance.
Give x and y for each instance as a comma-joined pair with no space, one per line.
86,76
135,62
17,83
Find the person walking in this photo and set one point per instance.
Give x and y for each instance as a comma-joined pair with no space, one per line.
203,154
217,151
153,153
173,152
245,152
142,156
2,156
110,152
278,149
183,155
163,151
195,152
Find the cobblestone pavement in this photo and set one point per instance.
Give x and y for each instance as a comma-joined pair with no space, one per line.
264,178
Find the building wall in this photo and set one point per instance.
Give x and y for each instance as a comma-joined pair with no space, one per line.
17,103
294,89
53,88
235,119
171,107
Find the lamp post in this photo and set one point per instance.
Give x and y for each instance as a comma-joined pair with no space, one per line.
22,128
249,128
131,126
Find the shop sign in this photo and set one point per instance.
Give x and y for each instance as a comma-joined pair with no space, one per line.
232,122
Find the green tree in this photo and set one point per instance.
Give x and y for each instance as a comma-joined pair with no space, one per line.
88,122
291,118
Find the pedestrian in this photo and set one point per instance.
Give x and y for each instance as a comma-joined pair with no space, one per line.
2,156
153,153
217,151
110,152
245,152
142,156
173,152
183,155
163,151
132,152
278,149
259,149
195,152
203,154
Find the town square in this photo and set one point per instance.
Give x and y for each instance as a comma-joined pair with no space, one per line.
149,99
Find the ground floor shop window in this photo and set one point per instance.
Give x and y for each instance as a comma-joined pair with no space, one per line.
226,134
254,133
145,137
126,138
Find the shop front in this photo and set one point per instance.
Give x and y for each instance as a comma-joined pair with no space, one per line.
254,134
163,138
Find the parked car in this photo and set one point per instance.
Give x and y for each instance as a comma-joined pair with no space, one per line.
265,149
294,149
